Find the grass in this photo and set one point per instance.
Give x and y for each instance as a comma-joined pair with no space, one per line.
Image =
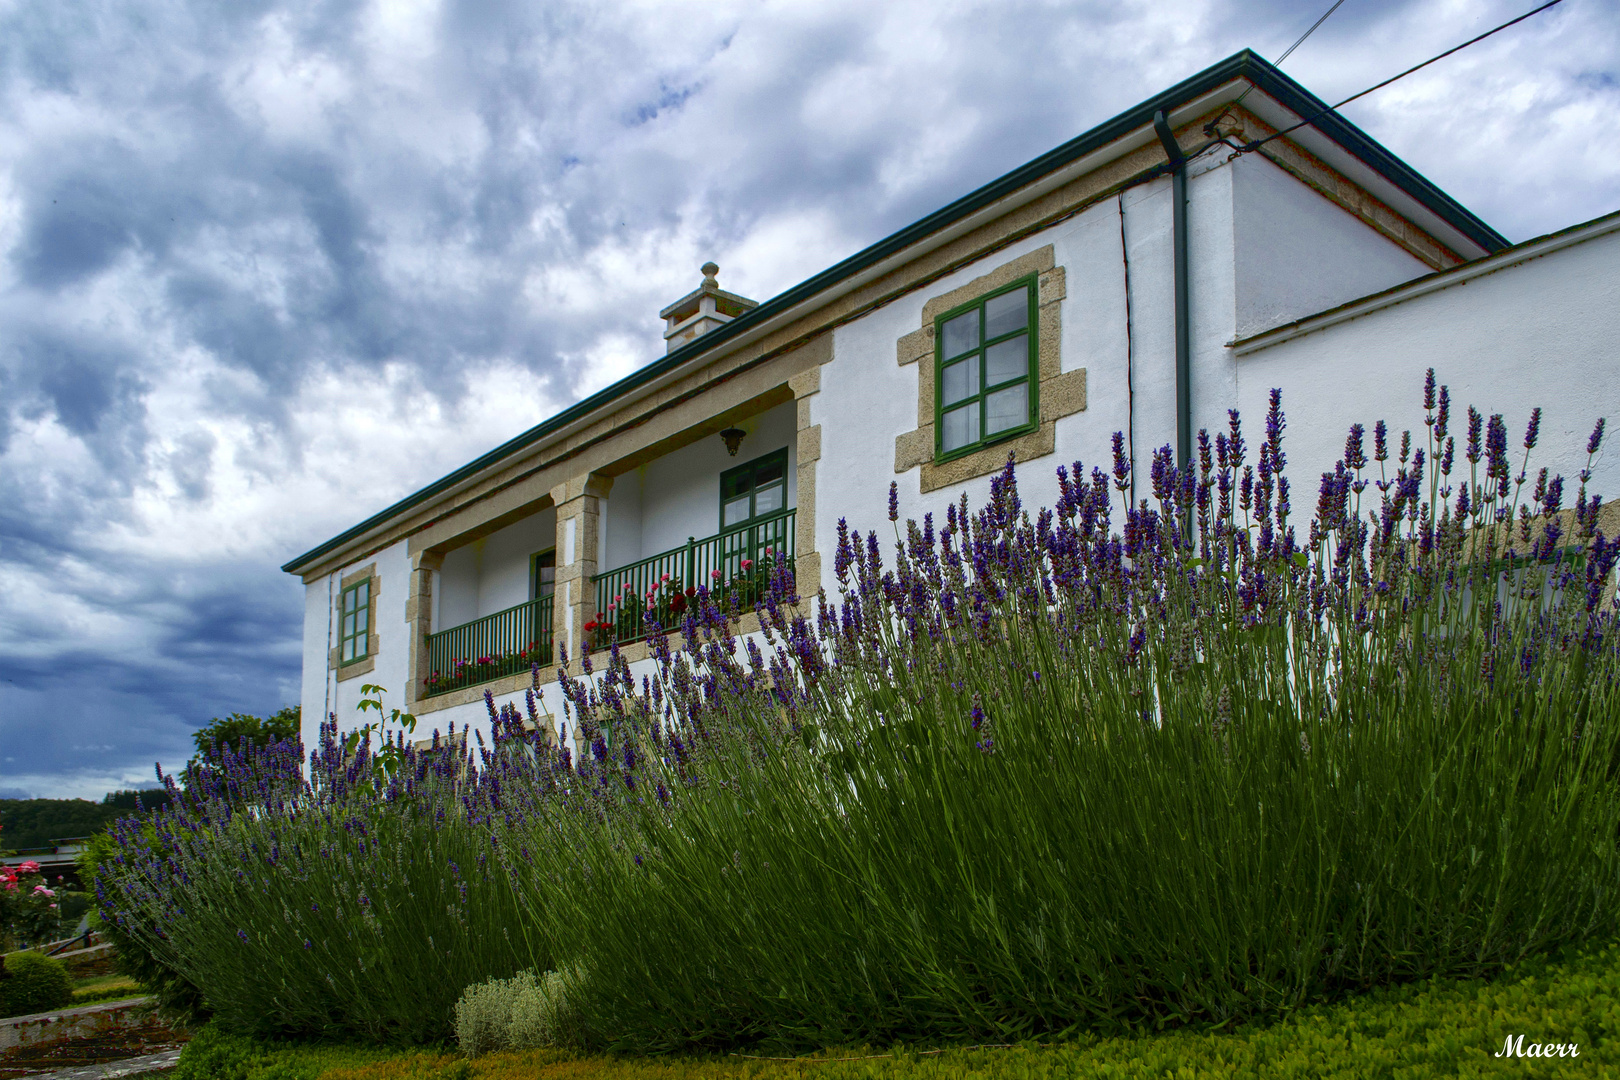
102,988
1429,1029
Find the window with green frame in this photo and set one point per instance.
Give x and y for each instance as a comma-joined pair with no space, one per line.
356,626
543,572
755,490
984,370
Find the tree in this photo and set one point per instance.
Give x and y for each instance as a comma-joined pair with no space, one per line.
230,731
145,799
33,823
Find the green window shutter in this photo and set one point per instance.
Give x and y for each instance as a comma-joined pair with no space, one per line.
754,491
354,628
985,374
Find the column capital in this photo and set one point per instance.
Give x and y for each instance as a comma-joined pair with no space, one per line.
595,485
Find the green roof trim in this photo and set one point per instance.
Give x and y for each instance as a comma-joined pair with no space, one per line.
1242,64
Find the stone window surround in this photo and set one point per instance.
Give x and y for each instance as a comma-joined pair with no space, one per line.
1060,393
344,671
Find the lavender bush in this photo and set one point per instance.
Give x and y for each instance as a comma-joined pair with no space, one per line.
1032,773
357,901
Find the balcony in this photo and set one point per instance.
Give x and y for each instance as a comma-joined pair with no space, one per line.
505,643
734,565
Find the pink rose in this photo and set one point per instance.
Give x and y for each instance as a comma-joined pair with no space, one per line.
715,574
29,867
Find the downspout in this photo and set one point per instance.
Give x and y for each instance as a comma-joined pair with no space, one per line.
1178,218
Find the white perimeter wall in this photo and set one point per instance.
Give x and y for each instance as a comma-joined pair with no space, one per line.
1544,332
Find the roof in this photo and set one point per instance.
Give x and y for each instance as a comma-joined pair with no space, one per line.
1242,65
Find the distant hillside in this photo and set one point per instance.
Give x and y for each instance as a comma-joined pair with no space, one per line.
26,823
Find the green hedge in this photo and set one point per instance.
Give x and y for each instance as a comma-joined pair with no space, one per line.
1429,1029
35,983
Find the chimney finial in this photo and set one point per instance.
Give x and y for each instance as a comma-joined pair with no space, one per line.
705,308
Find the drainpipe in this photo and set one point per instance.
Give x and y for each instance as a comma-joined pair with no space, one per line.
1178,217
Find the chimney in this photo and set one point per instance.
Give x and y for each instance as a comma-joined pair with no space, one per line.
702,310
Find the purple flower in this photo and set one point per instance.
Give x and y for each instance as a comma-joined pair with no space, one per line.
1355,456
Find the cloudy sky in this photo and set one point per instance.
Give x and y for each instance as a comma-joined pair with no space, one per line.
267,267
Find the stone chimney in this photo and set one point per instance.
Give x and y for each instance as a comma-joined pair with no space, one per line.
702,310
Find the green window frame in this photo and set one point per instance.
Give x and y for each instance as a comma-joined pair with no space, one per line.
986,387
354,613
754,491
542,573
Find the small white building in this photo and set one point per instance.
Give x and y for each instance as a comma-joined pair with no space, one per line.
1036,316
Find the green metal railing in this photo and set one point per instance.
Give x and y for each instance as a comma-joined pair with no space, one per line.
505,643
715,562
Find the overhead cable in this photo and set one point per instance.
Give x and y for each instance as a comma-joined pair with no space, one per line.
1209,128
1256,144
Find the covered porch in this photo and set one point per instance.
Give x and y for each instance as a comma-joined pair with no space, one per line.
599,564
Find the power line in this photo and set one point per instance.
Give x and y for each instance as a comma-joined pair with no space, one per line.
1255,145
1278,62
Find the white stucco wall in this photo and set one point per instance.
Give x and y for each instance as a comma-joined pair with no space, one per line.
322,692
1262,248
658,506
619,527
1297,253
1544,332
867,399
491,574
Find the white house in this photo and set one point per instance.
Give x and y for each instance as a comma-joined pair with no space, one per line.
1145,277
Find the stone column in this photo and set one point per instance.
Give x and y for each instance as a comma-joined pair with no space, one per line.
579,512
807,560
419,619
